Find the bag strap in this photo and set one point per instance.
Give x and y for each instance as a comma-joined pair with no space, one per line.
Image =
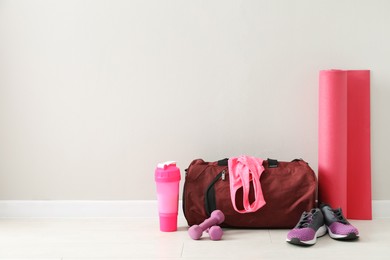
223,162
272,163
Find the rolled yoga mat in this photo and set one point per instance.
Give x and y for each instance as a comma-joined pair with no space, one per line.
344,156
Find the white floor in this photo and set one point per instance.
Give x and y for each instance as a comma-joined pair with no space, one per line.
132,238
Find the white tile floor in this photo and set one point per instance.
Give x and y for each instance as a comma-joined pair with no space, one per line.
131,238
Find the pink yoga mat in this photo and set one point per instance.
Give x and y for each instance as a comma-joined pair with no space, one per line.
344,156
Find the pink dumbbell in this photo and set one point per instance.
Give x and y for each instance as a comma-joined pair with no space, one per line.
216,217
215,232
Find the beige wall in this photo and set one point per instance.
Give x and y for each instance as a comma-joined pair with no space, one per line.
94,93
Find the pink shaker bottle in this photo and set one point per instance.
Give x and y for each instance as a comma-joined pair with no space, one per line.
167,177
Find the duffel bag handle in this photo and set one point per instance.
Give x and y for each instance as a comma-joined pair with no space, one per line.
223,162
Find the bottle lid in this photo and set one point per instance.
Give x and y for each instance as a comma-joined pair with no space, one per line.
164,165
167,172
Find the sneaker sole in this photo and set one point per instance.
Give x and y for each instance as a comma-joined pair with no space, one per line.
296,241
350,236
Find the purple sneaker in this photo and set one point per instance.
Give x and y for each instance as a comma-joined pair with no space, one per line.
338,227
310,226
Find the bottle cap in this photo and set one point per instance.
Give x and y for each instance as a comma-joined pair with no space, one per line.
164,165
167,172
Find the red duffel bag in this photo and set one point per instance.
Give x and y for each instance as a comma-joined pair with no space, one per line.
289,189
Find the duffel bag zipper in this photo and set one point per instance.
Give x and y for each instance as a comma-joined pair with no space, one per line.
210,202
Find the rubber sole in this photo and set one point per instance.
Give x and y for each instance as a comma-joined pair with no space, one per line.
296,241
350,236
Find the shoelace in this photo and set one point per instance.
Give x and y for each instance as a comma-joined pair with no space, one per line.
306,220
339,215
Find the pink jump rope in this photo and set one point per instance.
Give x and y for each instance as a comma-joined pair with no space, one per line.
210,226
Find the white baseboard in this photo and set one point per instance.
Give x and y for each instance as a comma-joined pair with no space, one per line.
110,208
